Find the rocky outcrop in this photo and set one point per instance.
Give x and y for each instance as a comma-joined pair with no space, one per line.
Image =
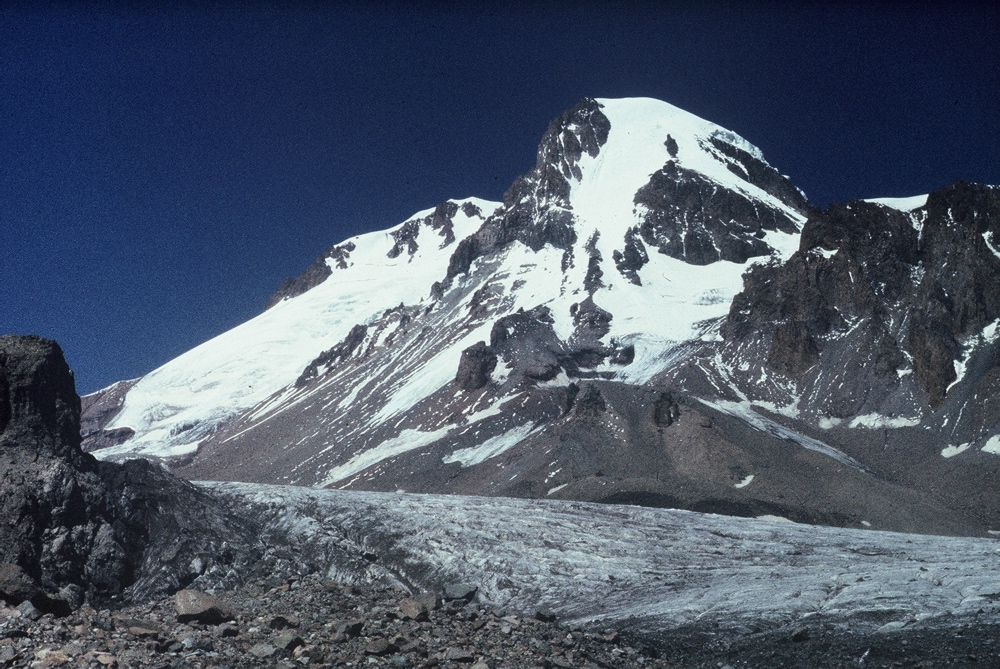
535,209
315,274
880,292
332,356
688,217
441,221
77,530
474,369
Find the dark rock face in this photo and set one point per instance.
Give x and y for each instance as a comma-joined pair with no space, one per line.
535,206
474,369
630,260
441,221
77,529
39,408
528,340
894,286
314,275
330,357
97,410
690,218
759,173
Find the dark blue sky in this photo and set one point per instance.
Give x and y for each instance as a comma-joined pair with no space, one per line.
163,166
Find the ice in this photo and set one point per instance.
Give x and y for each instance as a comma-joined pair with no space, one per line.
647,570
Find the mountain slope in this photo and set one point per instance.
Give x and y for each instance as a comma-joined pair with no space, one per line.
580,339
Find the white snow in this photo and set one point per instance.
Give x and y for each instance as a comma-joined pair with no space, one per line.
745,482
986,238
407,440
745,411
952,451
490,448
176,406
992,445
904,204
877,421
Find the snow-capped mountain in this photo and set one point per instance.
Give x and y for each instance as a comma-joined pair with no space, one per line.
592,337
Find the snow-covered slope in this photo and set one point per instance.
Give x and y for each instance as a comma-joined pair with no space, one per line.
176,407
173,408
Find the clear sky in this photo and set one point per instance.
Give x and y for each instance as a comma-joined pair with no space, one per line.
164,165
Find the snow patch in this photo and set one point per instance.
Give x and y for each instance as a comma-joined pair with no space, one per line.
745,482
952,451
744,411
986,238
992,445
407,440
877,421
490,448
904,204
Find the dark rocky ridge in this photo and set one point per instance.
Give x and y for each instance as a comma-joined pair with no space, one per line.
908,287
315,274
536,206
688,217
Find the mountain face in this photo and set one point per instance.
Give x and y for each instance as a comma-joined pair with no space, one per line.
652,315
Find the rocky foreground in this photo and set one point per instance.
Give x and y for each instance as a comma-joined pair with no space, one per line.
313,622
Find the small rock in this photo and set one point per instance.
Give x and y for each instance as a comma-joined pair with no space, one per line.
143,632
73,649
282,622
480,665
460,591
107,660
263,651
412,609
193,642
545,615
288,641
51,657
195,606
225,631
28,610
380,647
351,627
459,655
429,600
800,634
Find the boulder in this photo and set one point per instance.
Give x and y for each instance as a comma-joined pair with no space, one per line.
195,606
